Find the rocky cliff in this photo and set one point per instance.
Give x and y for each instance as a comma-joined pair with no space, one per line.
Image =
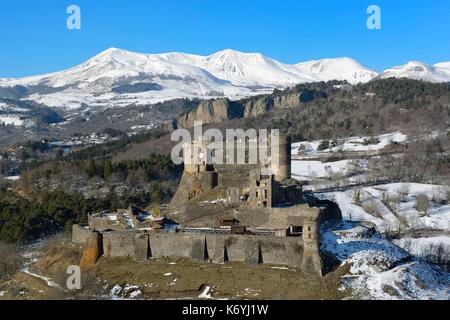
212,111
218,110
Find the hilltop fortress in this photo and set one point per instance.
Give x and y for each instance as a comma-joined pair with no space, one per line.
250,176
252,212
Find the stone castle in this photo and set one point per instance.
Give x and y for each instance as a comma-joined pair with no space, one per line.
221,213
252,183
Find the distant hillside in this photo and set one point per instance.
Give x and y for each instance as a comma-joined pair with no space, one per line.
322,111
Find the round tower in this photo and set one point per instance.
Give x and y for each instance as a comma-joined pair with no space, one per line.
282,167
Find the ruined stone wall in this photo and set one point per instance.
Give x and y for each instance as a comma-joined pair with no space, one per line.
228,248
214,248
209,180
234,176
119,243
80,235
92,250
99,224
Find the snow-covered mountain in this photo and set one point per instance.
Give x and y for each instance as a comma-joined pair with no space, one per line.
118,77
337,69
253,69
419,71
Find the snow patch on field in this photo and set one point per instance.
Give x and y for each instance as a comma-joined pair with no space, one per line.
127,292
378,268
352,144
48,281
206,293
308,169
12,178
421,246
11,120
406,216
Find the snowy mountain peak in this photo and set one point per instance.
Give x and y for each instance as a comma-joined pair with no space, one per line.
337,69
251,69
230,54
414,66
117,55
419,71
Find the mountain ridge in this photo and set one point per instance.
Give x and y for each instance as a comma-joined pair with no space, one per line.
153,78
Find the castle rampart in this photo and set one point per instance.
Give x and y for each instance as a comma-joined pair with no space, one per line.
215,248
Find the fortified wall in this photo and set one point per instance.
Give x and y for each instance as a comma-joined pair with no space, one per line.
215,248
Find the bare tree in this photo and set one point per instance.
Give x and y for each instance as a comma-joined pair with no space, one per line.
357,196
422,203
403,192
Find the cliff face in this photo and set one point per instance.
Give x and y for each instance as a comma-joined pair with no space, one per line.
215,111
255,107
212,111
294,99
289,100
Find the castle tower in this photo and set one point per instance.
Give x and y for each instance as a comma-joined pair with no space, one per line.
282,167
195,157
311,262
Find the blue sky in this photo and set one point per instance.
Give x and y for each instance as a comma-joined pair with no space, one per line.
34,38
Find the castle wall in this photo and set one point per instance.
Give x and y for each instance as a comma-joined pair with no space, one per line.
234,176
215,248
311,257
177,245
119,243
284,251
99,224
92,250
80,235
261,193
208,180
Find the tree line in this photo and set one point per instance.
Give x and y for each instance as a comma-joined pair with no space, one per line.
24,219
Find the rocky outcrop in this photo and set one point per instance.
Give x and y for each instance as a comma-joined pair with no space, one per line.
255,107
215,111
212,111
288,100
294,99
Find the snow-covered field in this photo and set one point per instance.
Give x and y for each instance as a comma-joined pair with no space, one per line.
401,211
418,214
11,120
316,169
423,246
8,108
352,144
378,268
305,165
